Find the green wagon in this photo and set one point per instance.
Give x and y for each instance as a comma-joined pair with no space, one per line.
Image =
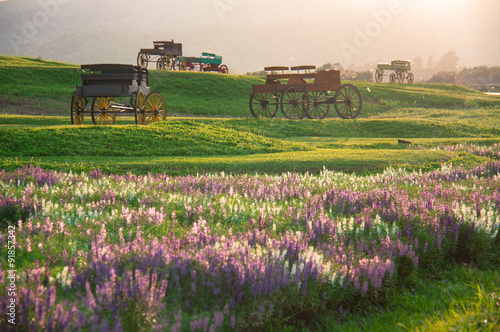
208,62
397,70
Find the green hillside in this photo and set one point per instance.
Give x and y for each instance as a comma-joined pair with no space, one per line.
34,86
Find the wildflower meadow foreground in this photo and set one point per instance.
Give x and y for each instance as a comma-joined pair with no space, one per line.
223,252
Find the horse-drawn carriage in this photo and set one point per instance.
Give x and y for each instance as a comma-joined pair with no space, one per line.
102,83
400,70
304,94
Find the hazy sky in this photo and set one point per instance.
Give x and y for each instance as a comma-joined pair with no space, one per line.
251,34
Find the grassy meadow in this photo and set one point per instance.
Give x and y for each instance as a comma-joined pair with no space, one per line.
214,220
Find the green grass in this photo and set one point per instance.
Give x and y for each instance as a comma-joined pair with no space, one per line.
355,160
212,94
179,138
462,299
225,139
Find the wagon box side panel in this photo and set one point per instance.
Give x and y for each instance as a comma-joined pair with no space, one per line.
326,80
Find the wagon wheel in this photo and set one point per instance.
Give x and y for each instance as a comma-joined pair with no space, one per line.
223,69
193,64
401,77
142,60
264,105
348,101
160,64
411,78
169,61
319,107
379,75
182,65
294,102
154,109
139,105
100,111
393,78
78,105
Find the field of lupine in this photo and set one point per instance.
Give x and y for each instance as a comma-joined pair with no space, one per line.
221,252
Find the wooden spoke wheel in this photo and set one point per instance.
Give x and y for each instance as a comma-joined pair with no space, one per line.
182,65
154,109
264,105
318,107
410,78
393,78
142,60
348,101
139,106
379,75
193,64
78,105
401,78
294,102
168,61
223,69
160,63
101,111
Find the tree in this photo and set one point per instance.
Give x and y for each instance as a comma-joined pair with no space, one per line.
448,62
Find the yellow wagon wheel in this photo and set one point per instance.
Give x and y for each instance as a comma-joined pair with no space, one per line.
168,61
154,109
160,63
140,104
142,60
78,104
182,64
101,111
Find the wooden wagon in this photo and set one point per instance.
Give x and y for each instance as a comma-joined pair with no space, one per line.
305,93
163,53
399,70
207,62
102,83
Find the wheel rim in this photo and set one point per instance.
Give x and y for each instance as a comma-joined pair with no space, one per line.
294,103
223,69
154,109
193,64
77,107
142,60
160,63
348,102
100,112
411,78
318,107
379,76
168,61
401,78
264,105
140,103
182,64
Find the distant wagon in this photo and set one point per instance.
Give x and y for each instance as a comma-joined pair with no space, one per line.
168,56
102,83
397,70
163,53
304,94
